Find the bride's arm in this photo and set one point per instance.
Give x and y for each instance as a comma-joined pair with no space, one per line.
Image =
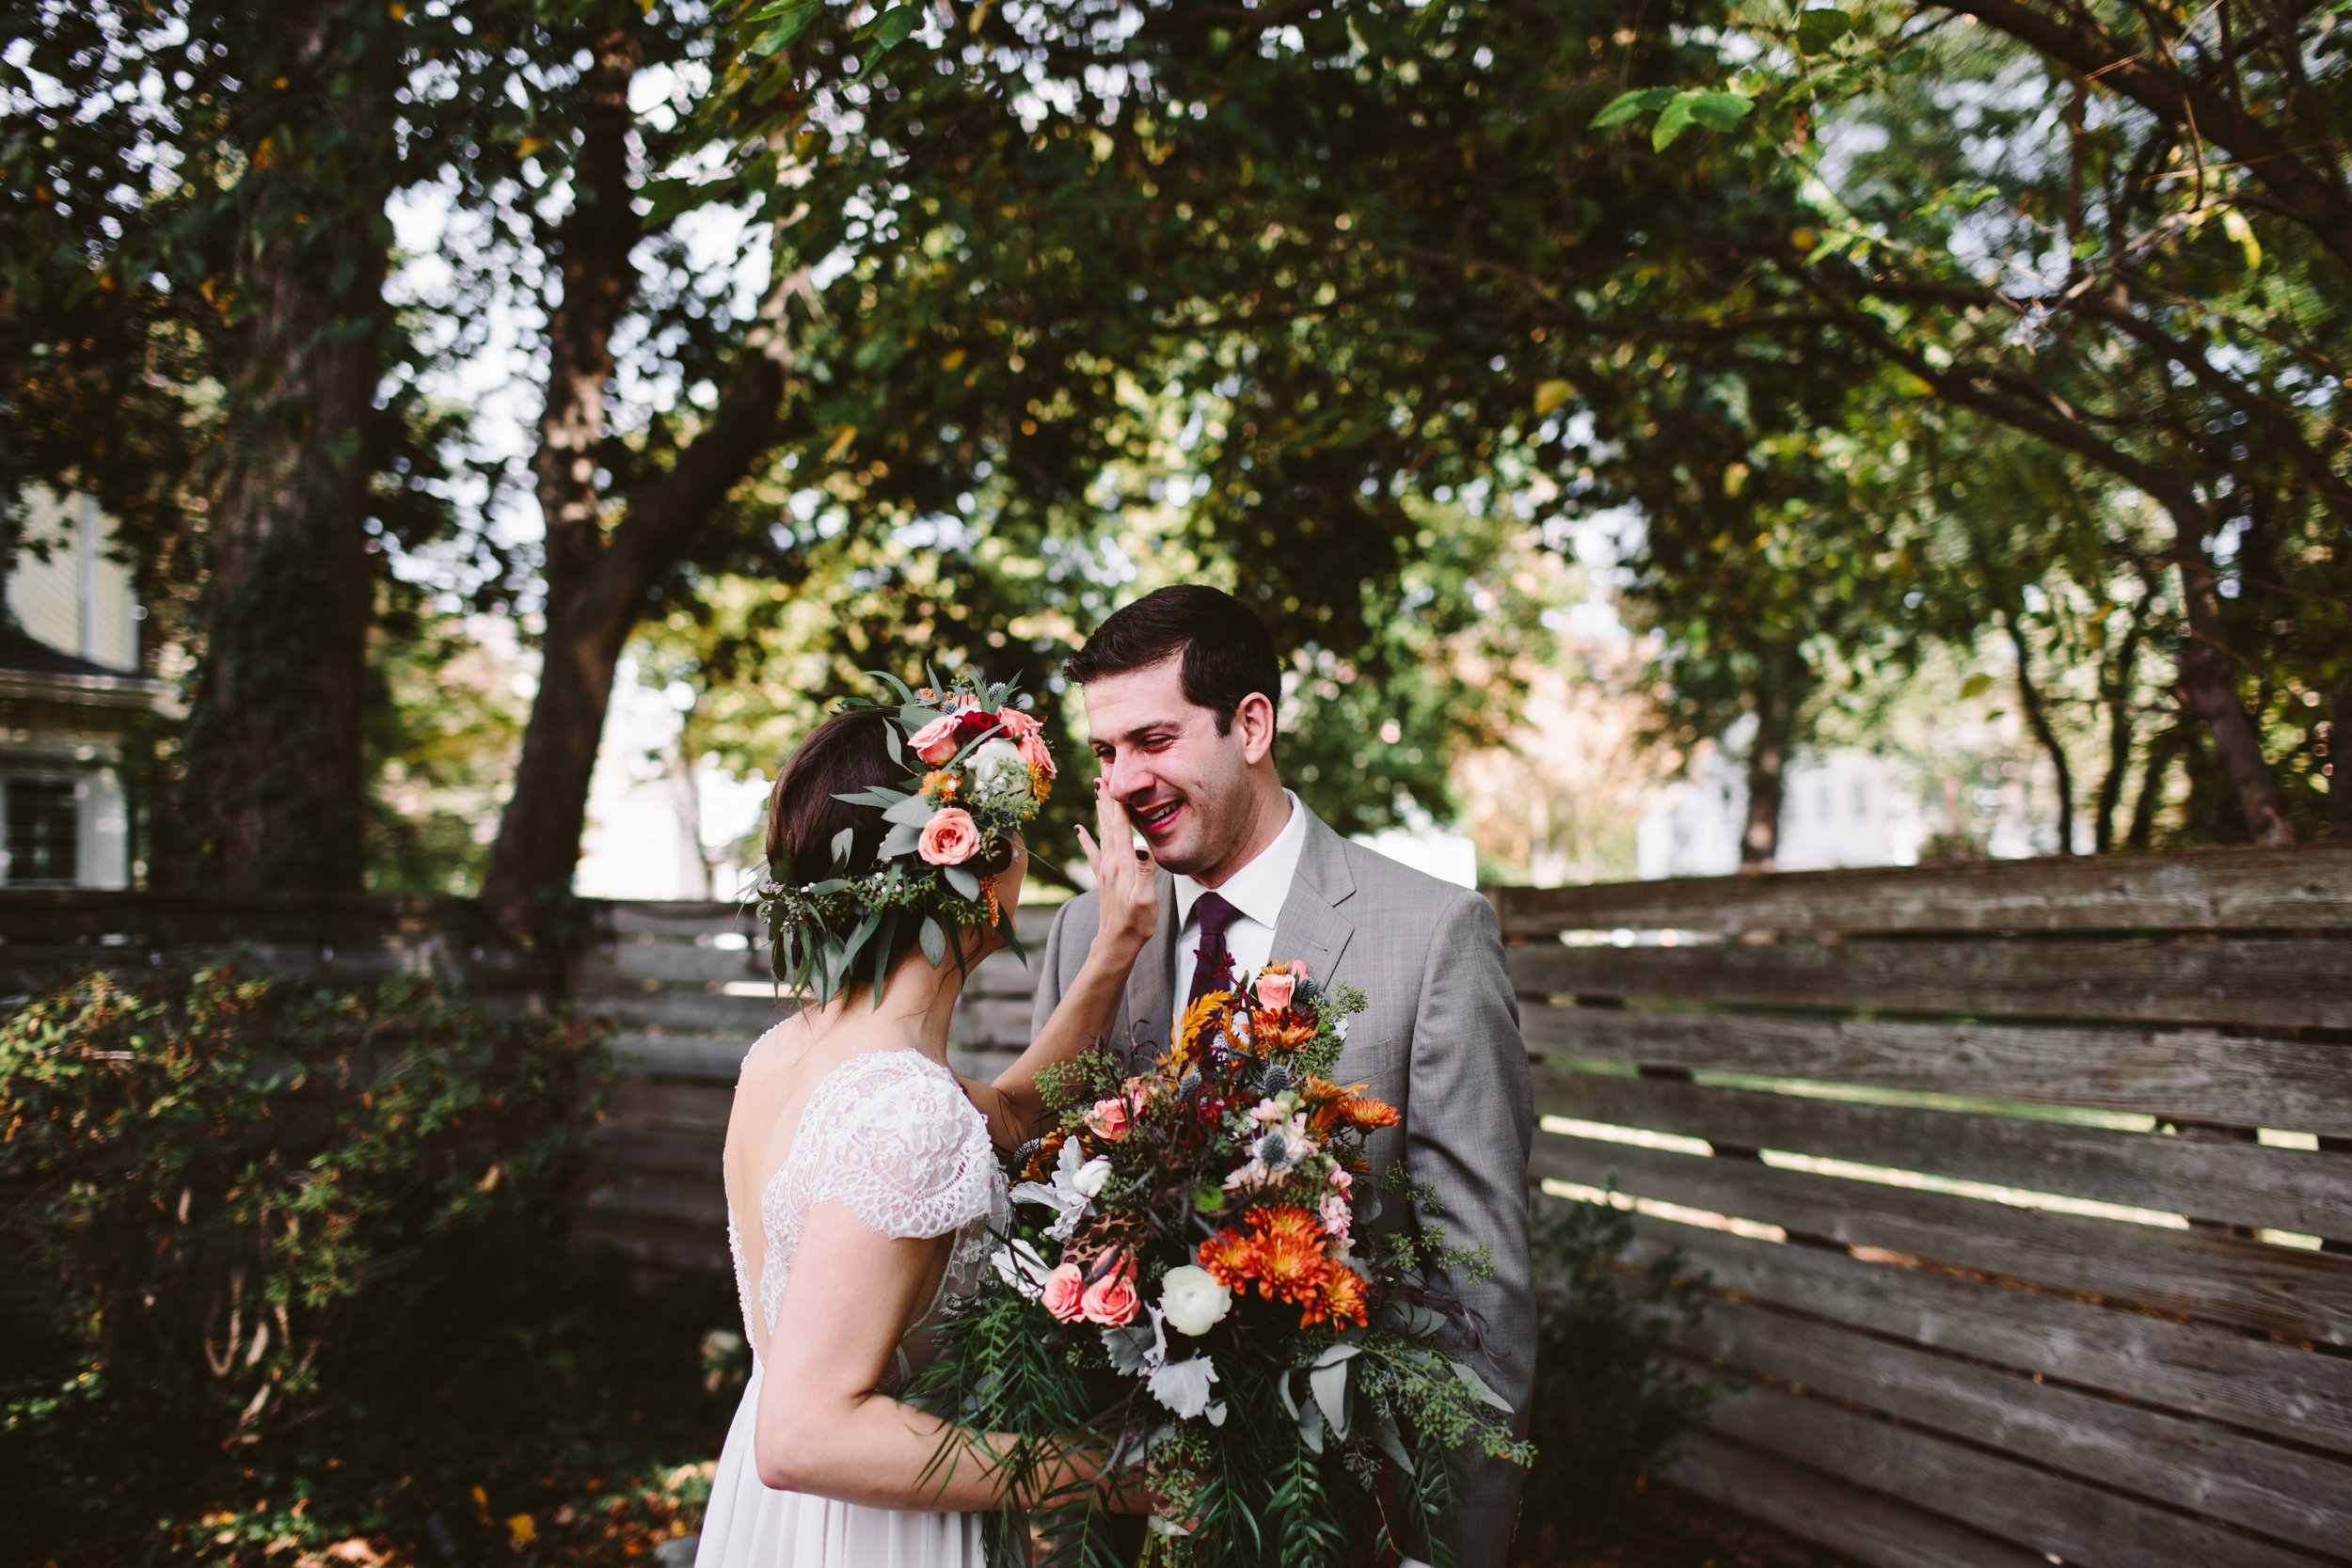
1126,892
822,1428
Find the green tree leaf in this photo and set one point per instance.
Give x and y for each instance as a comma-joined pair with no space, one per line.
1822,27
794,16
1719,111
1627,105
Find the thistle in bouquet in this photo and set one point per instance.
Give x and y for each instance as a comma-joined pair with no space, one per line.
1193,1286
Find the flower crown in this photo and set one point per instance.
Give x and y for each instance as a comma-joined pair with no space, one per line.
978,768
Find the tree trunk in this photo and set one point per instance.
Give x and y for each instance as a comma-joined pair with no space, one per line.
2119,732
2207,686
2161,753
597,578
2340,776
273,787
1768,770
2036,716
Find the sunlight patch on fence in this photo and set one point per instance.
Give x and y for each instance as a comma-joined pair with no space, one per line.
2016,1198
1673,1143
1576,1193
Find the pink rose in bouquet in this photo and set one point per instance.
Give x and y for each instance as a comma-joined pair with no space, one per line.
1111,1300
1065,1292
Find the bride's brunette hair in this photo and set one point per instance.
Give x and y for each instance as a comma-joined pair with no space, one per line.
806,812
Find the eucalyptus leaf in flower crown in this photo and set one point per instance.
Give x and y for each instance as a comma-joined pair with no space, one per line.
978,768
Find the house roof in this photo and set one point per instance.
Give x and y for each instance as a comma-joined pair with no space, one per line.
31,668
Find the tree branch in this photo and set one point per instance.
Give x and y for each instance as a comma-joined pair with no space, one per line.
2307,194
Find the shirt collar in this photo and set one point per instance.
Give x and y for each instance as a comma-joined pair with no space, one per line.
1256,890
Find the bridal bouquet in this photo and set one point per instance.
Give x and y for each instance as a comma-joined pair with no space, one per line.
1188,1288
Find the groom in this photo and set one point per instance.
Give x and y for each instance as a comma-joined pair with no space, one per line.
1181,687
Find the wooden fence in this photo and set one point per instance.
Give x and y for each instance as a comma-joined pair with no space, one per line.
689,986
2025,1190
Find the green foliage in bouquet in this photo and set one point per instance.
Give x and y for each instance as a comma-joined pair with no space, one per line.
1609,1396
1187,1293
978,768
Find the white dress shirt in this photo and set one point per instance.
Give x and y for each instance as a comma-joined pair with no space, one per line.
1257,892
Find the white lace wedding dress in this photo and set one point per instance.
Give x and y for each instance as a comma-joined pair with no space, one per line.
891,1135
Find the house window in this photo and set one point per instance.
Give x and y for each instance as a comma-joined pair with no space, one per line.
44,833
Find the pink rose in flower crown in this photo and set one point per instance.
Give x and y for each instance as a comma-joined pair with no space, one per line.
1109,1118
935,742
1111,1300
950,838
1275,988
1064,1293
1028,733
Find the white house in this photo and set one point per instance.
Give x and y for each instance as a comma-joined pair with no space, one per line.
70,691
1839,808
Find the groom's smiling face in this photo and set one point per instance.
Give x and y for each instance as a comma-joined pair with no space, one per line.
1196,793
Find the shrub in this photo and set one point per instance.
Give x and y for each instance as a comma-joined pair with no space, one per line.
199,1177
1609,1394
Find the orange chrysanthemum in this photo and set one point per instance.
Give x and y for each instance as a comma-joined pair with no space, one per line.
1342,1301
1040,782
1363,1111
940,785
1279,1031
1291,1264
1231,1258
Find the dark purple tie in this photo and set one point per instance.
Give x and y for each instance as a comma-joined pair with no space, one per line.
1213,969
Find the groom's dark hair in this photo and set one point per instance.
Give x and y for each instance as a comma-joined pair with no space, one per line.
1226,650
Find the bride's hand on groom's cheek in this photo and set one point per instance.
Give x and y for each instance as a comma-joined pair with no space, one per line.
1125,877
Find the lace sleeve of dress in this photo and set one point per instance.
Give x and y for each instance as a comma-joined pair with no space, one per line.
905,1151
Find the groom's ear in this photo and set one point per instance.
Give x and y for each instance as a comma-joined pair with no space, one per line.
1253,725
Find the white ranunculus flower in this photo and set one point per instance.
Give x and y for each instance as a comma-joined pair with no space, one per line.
1088,1181
1192,1299
999,769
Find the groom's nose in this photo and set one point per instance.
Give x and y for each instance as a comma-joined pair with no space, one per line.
1127,775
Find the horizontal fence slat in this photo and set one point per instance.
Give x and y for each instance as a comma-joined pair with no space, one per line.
2240,1080
674,1151
627,964
643,1103
2205,1468
660,1240
2221,1278
668,917
2219,1373
700,1205
1866,1524
712,1012
2286,1189
2289,982
681,1056
2021,1502
2237,888
174,919
993,1022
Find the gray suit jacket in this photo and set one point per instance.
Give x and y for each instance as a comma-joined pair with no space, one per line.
1440,1042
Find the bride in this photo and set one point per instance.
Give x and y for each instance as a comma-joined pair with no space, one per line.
860,1183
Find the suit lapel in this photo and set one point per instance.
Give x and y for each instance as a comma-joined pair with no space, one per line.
1313,927
1151,996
